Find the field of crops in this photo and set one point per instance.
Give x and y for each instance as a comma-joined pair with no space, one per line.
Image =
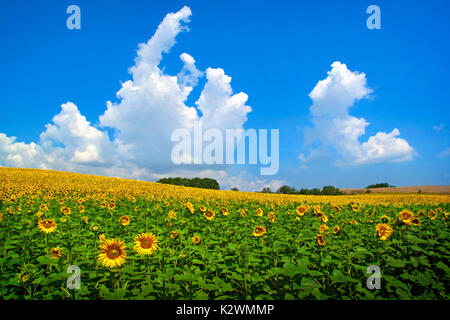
139,240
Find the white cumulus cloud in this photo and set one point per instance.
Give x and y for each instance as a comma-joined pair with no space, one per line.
333,126
150,106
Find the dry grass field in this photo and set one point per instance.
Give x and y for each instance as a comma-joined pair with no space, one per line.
413,189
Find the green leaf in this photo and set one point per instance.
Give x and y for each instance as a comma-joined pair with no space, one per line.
392,262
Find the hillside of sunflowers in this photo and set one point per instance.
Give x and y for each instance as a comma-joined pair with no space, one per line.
124,239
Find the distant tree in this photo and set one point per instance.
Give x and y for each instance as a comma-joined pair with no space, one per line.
304,191
286,190
316,191
205,183
266,190
380,185
331,191
234,189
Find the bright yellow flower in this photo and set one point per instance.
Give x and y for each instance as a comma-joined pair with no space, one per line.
65,210
271,216
259,212
384,231
323,228
56,253
47,225
172,215
209,215
259,231
321,240
336,230
196,239
145,243
112,253
125,220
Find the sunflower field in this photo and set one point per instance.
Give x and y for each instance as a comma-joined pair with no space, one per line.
74,236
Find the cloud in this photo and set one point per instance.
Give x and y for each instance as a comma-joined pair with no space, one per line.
245,182
444,153
150,106
438,127
334,128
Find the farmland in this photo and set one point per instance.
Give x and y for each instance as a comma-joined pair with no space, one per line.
141,240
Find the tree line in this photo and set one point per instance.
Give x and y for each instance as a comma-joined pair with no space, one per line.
380,185
205,183
326,190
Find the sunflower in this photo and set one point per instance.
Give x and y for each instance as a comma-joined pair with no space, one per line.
415,221
271,216
209,215
323,228
337,208
301,210
95,227
321,240
102,237
39,214
145,243
174,234
385,219
202,209
352,222
243,213
172,215
432,214
111,206
47,225
56,253
80,209
1,216
336,230
384,231
405,216
259,212
65,211
196,239
112,253
225,211
190,207
324,218
125,220
85,219
317,210
259,231
43,207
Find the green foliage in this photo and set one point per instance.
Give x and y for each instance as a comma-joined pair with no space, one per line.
205,183
380,185
326,190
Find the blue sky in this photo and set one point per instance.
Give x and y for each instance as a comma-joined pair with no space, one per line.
275,52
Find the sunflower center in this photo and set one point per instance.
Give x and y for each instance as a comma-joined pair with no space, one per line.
113,253
146,243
